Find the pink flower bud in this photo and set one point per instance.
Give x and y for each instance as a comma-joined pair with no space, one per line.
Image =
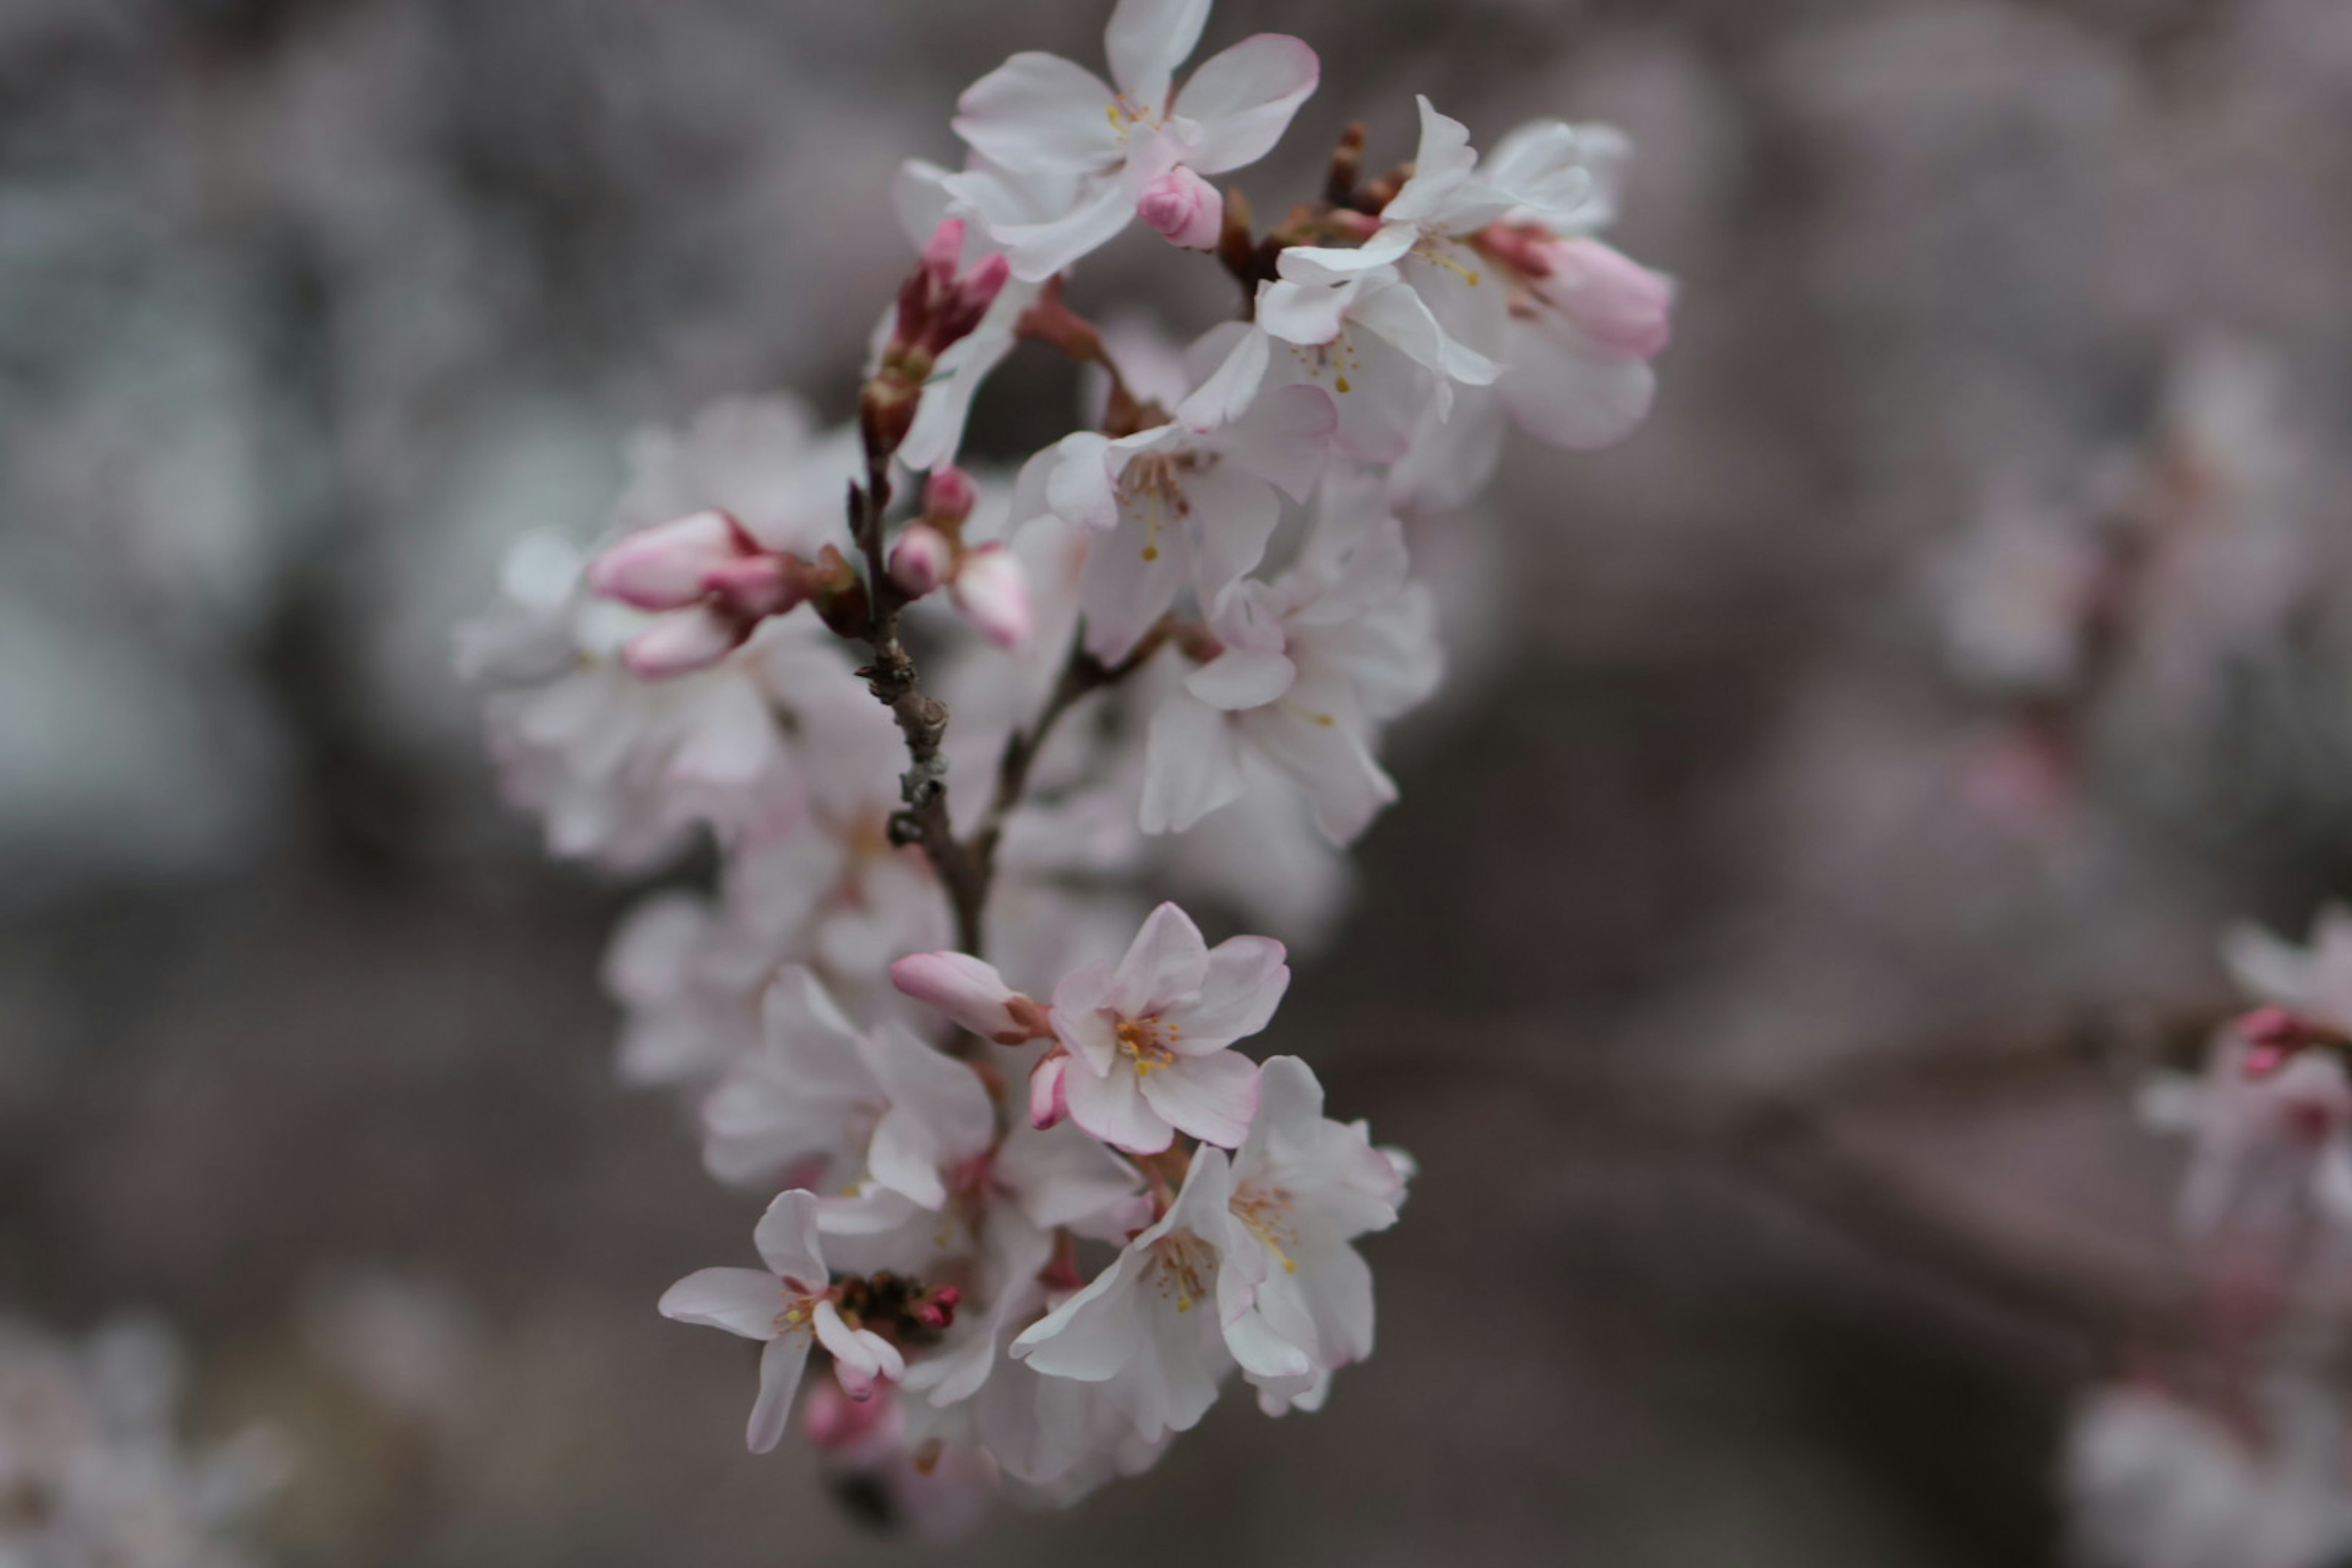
991,589
922,559
949,496
1619,303
1049,1098
961,310
664,567
682,642
973,994
944,253
1183,209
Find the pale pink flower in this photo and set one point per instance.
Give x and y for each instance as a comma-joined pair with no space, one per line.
1148,1327
790,1306
1038,113
1147,1041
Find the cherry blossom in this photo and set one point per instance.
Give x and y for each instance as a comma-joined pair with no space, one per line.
790,1306
950,732
1142,143
1147,1040
1148,1326
1307,667
1191,503
1304,1189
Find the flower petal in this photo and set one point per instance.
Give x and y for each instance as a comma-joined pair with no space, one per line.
1038,250
1241,678
744,1301
1190,765
1167,959
1147,40
1247,979
1039,111
1243,99
781,1365
1565,392
1211,1098
1113,1108
787,1239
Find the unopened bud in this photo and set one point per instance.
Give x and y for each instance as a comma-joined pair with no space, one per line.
1049,1098
838,594
921,560
665,567
1183,209
1615,300
949,496
760,585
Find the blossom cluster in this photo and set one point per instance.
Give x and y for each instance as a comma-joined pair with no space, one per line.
2254,1471
92,1470
1033,1209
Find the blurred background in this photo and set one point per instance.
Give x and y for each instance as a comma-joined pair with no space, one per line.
1759,771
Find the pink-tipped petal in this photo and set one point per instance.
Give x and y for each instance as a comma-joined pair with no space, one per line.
1049,1100
1622,306
1243,99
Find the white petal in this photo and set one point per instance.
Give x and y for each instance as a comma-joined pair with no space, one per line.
742,1302
787,1239
1401,316
1080,486
1566,393
1190,765
1168,959
1038,250
1240,678
1092,1336
781,1365
1245,981
1113,1108
1286,438
1124,591
1213,1097
1233,514
1147,40
1229,390
1243,99
1040,112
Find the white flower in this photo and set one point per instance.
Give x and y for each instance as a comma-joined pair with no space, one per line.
1191,502
1138,143
1303,1188
1148,1326
1147,1041
790,1306
1311,666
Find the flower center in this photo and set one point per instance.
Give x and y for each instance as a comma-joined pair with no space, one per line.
1335,359
1267,1213
799,1312
1125,114
1187,1269
1145,1043
1152,488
